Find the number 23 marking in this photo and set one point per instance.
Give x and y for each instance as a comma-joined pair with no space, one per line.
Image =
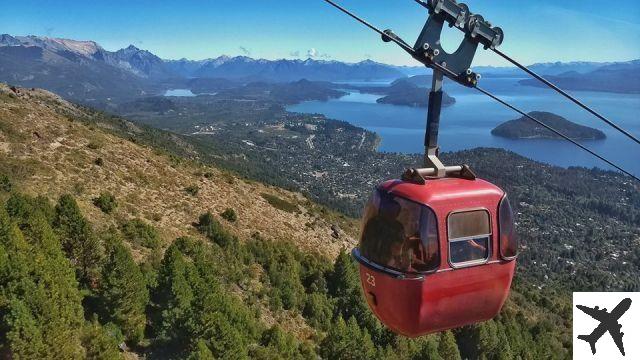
371,280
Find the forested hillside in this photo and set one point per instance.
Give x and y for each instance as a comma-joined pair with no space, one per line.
71,289
116,241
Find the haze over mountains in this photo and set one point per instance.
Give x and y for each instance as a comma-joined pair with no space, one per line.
615,77
144,64
86,72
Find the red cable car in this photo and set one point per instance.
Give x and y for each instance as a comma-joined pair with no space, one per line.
437,254
438,248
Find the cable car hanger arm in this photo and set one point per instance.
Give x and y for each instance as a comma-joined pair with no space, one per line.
430,53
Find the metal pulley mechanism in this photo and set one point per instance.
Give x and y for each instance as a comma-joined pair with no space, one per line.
457,65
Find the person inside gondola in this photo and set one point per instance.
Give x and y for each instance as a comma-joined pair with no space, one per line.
469,250
385,236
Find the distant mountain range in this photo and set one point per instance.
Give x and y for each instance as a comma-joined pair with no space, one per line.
551,68
616,77
86,72
79,70
242,67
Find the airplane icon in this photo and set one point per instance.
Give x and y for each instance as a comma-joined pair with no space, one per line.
608,322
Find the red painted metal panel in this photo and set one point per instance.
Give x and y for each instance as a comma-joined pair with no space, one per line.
450,297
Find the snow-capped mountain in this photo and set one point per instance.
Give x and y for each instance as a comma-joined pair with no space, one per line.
242,67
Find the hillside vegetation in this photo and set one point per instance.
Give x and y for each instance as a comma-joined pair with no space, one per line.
52,147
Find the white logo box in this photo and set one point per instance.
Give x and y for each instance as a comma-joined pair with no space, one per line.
584,324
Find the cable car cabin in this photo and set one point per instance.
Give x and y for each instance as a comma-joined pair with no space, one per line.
437,255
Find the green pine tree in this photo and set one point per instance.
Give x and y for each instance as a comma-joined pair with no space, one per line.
346,340
99,343
175,297
487,339
201,352
78,240
447,346
40,311
123,291
349,300
429,349
212,229
284,344
224,340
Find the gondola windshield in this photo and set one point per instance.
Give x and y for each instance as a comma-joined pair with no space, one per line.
399,234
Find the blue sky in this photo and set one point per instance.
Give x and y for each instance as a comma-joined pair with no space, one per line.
536,30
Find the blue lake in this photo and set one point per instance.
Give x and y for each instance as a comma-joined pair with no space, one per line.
468,123
179,92
183,93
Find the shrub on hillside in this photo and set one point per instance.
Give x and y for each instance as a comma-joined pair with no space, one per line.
5,183
140,233
94,145
279,203
212,229
106,202
230,215
192,190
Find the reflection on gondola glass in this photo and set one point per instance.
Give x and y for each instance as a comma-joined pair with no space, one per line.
469,236
399,234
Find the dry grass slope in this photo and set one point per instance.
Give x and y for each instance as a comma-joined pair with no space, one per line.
49,152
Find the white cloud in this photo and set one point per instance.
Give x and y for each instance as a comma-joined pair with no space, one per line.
314,53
